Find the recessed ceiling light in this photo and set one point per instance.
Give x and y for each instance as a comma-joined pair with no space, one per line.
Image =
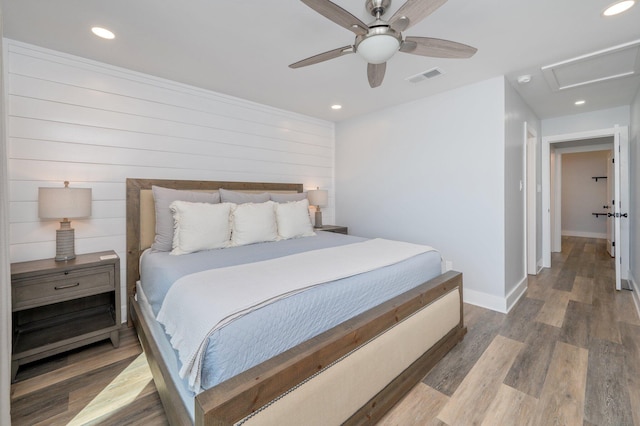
336,106
580,102
103,33
618,7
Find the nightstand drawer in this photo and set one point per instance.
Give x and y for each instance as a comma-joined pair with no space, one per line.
52,288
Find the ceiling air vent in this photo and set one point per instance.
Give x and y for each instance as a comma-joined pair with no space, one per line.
432,73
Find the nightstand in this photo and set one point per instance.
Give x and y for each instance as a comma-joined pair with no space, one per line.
58,306
334,228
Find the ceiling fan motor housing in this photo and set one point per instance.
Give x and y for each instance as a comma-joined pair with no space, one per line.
381,41
377,7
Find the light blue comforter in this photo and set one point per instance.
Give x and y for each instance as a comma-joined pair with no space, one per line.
274,328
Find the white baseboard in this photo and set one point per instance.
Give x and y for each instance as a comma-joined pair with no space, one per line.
484,300
583,234
496,303
636,291
517,293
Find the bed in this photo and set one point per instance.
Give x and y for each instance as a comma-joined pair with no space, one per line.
350,373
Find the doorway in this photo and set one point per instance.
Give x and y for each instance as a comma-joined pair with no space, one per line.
621,146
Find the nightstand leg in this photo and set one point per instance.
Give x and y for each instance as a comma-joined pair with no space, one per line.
115,338
14,370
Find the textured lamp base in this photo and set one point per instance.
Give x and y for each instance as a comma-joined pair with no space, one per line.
65,242
318,219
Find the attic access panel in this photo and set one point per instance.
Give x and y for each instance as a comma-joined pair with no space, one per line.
615,62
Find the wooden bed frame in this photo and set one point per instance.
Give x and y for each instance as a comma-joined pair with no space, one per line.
287,375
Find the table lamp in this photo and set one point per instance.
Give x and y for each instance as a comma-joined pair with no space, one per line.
64,204
318,197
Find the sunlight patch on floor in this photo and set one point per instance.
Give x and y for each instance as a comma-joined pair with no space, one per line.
122,391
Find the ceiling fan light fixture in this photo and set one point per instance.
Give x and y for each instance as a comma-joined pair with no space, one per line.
378,48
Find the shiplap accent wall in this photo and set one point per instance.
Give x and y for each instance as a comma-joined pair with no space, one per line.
70,118
5,277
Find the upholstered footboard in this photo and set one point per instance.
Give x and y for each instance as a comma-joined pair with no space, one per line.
353,373
332,395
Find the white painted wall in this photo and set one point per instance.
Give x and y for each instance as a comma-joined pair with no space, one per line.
582,195
517,112
95,125
602,119
432,171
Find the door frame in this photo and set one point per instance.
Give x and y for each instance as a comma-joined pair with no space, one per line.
530,205
547,141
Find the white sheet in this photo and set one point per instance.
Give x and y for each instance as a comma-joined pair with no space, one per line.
199,304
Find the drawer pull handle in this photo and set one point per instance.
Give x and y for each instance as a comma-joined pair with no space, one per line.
62,287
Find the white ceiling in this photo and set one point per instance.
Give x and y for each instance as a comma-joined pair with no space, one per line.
243,48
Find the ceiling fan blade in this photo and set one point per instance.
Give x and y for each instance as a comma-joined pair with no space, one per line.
335,13
413,11
436,48
375,72
321,57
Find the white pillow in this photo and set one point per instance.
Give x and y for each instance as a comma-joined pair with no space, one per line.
293,219
200,226
253,223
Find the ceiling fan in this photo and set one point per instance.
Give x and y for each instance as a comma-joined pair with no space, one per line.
380,40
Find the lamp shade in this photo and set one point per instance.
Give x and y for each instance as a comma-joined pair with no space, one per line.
64,203
318,197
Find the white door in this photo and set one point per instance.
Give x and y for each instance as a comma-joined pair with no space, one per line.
621,207
609,206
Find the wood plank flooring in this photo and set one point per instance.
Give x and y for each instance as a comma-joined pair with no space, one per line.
97,385
577,354
567,354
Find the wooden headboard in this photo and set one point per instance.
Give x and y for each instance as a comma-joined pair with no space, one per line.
141,213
